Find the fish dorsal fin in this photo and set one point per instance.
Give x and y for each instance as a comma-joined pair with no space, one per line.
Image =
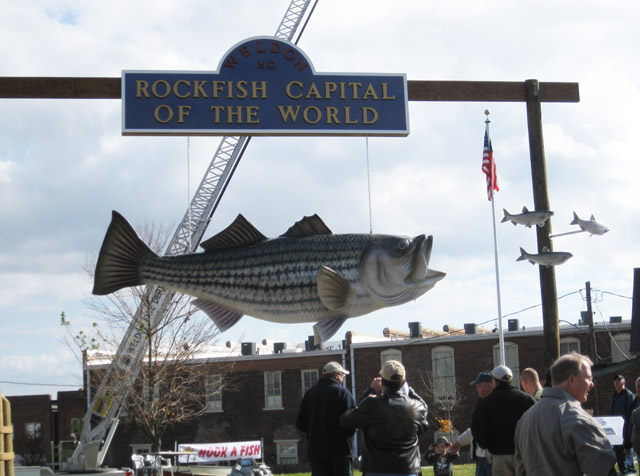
593,218
240,233
545,249
525,209
308,226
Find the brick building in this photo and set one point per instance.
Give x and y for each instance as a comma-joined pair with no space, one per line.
38,421
268,383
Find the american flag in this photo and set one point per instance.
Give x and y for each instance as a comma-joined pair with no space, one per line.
488,164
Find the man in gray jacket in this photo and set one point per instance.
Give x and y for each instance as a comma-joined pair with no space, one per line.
556,436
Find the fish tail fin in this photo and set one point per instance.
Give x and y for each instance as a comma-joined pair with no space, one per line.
575,219
119,259
523,255
506,214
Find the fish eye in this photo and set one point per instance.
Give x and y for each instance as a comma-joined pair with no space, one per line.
402,245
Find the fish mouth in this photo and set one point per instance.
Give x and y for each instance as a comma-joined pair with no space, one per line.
421,276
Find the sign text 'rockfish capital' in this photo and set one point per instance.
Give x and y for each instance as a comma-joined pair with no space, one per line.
264,86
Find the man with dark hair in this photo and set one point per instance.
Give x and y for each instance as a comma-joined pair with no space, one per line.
556,436
494,421
391,422
628,430
620,405
331,447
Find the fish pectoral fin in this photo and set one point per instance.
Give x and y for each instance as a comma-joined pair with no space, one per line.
240,233
333,289
308,226
326,329
223,317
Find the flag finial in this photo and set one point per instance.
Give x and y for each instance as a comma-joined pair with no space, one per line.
486,113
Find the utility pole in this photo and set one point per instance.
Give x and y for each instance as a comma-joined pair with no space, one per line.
549,294
589,318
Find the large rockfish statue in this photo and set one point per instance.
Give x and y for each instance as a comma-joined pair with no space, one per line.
306,275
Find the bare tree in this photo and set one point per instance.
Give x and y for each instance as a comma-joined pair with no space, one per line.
171,387
444,398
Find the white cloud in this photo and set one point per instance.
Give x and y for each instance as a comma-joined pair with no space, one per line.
64,164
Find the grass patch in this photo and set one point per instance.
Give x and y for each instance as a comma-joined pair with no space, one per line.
458,470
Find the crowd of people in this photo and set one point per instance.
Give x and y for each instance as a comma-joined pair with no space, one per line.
537,431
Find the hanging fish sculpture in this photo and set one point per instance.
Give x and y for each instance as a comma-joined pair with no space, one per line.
546,258
527,218
590,226
306,275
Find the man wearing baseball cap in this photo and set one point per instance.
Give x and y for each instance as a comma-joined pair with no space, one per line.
330,447
494,422
484,386
391,422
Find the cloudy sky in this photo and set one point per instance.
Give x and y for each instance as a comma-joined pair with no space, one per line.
64,165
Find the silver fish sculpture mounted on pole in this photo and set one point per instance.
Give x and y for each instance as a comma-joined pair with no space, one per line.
527,218
546,258
590,226
307,274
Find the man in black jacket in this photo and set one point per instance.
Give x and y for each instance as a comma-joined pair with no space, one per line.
627,430
331,447
494,421
391,422
620,405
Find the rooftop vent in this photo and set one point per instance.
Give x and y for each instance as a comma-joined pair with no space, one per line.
415,330
248,348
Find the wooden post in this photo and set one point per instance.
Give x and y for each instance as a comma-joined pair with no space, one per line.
592,333
634,345
6,438
548,290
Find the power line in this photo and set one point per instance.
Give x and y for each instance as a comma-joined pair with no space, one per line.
39,384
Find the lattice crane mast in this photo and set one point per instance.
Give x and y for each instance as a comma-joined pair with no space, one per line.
101,419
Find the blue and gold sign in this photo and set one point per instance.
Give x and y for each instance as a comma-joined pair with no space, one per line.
263,86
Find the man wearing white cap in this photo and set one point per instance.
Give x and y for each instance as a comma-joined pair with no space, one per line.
331,447
391,422
494,422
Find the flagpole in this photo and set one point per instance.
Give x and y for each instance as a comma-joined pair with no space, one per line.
495,249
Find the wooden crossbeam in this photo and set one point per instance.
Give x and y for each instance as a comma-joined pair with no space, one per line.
474,91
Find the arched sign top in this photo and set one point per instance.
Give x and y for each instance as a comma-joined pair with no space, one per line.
264,86
266,54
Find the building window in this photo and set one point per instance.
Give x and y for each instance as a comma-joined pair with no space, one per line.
214,393
33,430
569,344
272,391
141,449
390,354
309,379
444,380
76,427
620,344
511,358
287,451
